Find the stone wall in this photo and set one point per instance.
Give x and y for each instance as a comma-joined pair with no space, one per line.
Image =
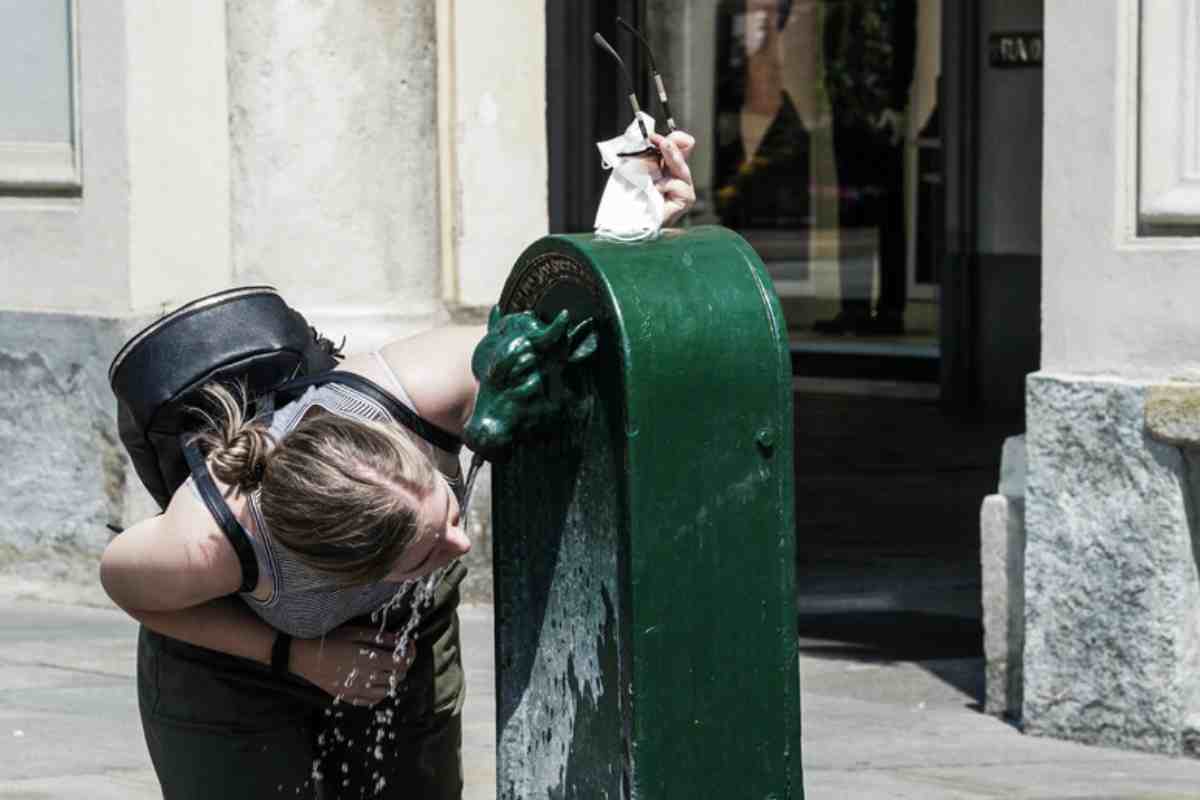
65,475
1002,556
1112,640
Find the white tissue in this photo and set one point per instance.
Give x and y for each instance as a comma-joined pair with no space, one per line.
631,208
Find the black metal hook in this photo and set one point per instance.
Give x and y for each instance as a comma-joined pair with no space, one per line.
658,81
633,99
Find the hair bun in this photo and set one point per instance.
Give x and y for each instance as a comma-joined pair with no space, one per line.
244,459
237,447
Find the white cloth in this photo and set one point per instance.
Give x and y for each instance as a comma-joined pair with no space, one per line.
631,208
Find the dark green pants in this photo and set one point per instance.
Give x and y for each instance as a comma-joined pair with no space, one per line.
218,726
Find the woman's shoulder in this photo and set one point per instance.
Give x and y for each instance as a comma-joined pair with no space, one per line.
193,526
375,367
434,367
386,369
187,509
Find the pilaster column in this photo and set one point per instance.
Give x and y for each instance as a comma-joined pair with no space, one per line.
333,133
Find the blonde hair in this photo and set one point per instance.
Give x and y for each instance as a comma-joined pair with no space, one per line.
339,493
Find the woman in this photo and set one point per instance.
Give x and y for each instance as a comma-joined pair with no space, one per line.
307,685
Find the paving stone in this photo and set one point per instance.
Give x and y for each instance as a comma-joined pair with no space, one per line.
873,728
1112,622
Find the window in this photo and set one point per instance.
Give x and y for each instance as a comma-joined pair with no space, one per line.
39,128
818,141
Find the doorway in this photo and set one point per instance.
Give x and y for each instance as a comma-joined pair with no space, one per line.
890,179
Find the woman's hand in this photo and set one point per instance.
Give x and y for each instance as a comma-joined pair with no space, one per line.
676,183
357,664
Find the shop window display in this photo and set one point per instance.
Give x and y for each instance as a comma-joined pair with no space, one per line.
823,151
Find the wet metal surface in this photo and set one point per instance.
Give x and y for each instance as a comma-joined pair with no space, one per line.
644,557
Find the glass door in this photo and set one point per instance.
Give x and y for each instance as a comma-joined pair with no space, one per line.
818,140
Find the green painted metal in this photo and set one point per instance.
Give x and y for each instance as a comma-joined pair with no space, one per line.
519,365
644,552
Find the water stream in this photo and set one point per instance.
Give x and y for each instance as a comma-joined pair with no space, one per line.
413,596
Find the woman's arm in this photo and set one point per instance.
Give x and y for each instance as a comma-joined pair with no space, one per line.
356,663
435,369
176,560
173,573
176,574
223,624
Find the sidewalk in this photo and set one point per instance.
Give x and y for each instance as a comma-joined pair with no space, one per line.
69,724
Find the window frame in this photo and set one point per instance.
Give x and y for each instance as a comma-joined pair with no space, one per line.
49,168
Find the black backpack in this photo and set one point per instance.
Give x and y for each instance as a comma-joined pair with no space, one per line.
247,335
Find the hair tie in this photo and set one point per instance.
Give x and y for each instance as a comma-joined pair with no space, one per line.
257,471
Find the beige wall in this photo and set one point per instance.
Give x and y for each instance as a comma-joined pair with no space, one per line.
388,163
366,164
280,141
151,225
493,142
72,253
334,150
1114,302
178,152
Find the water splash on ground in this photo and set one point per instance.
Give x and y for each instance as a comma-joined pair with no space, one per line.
414,598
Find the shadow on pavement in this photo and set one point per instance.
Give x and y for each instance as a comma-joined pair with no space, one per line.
949,647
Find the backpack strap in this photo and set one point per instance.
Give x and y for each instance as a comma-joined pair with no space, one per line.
436,436
219,509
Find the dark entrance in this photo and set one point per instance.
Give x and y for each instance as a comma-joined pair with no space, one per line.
890,179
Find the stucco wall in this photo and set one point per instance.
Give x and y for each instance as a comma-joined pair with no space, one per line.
178,152
498,188
150,228
283,142
334,150
72,253
1111,303
151,224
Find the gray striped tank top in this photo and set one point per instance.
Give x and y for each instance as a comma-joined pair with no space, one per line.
305,602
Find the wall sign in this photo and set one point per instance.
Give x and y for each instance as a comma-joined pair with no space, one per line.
1015,49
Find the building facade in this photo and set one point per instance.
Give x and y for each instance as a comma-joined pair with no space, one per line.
1112,639
382,165
1021,245
980,216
